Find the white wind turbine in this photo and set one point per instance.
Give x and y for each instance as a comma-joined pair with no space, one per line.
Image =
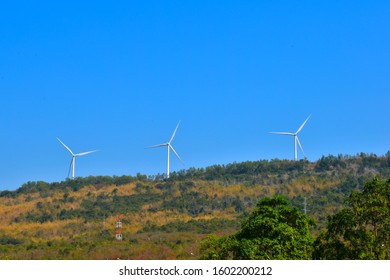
73,160
296,139
169,147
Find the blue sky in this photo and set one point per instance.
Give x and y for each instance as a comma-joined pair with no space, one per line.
118,77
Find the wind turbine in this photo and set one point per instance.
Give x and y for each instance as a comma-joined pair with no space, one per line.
169,147
73,160
296,139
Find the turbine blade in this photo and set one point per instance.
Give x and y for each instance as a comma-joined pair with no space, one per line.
300,146
300,128
283,133
173,135
70,151
173,150
85,153
155,146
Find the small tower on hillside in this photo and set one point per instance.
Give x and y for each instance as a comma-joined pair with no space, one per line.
118,227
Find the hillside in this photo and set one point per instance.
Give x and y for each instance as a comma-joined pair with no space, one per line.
167,218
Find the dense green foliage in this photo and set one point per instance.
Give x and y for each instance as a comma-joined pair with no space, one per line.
362,230
274,230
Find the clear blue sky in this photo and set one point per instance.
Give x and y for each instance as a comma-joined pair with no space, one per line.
117,76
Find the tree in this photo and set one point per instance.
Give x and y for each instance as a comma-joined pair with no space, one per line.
362,229
216,248
274,230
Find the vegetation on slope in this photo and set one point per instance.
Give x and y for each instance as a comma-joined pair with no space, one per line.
362,229
277,230
167,218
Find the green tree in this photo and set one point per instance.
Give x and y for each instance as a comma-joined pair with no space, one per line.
362,229
216,248
274,230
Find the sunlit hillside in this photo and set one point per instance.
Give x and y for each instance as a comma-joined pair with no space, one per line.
167,218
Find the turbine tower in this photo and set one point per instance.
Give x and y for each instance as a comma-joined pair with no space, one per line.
73,160
296,139
169,147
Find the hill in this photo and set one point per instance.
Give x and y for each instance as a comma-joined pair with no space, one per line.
167,218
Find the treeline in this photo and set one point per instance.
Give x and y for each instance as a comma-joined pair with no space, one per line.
251,172
259,171
45,189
